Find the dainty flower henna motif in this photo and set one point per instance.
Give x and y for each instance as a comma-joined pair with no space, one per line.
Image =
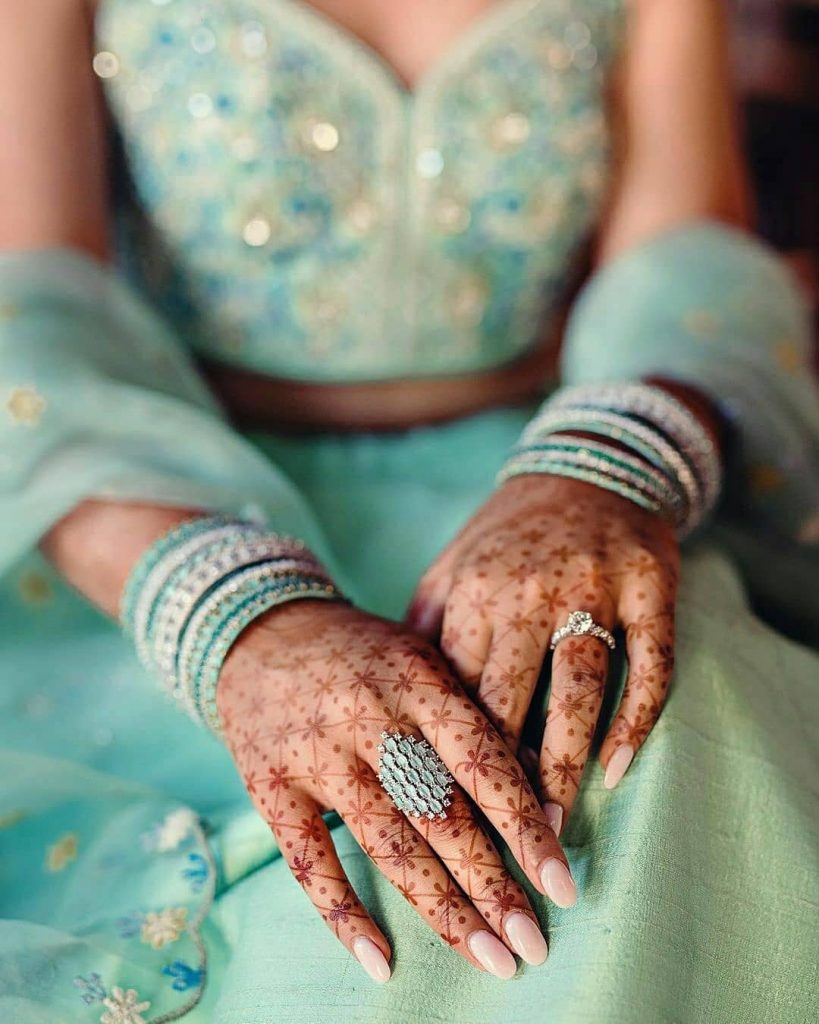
539,548
324,681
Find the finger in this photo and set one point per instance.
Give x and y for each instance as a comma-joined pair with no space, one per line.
425,613
466,633
579,670
408,861
470,746
650,650
509,678
530,763
307,846
472,859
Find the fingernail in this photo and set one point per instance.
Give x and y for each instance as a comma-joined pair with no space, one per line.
492,955
425,621
526,938
371,959
554,816
558,883
618,765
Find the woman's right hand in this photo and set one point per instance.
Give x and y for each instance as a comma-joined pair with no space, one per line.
304,696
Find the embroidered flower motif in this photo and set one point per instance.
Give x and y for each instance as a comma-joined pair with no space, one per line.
171,832
25,406
123,1007
184,976
12,818
162,927
197,873
34,588
60,854
92,988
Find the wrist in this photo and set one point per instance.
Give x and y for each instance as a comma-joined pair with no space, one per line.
198,588
97,544
634,439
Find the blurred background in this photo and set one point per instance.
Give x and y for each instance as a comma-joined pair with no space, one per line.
776,59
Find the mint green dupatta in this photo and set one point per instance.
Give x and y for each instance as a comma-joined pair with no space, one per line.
712,306
131,859
99,399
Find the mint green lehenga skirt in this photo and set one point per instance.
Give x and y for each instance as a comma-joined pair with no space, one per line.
697,876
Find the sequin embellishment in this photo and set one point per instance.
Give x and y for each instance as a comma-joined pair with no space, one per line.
311,217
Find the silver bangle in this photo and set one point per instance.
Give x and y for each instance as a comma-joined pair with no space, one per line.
178,678
667,413
185,595
158,578
646,440
645,480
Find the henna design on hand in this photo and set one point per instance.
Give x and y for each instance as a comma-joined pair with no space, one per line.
541,547
304,697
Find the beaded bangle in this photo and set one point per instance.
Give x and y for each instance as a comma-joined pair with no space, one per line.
192,588
644,440
171,541
221,601
590,476
644,479
207,683
662,410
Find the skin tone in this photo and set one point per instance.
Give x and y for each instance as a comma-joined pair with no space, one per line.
540,548
304,700
677,160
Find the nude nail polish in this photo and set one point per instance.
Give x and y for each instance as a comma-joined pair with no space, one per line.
558,883
492,955
618,765
526,938
371,959
554,816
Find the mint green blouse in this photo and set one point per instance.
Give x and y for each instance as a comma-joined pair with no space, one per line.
305,215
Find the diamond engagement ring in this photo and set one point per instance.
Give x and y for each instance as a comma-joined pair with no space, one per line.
413,776
581,624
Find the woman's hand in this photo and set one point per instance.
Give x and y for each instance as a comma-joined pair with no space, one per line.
304,697
541,547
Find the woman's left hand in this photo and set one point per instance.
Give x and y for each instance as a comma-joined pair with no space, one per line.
540,548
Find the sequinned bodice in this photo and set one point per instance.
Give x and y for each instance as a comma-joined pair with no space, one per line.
307,216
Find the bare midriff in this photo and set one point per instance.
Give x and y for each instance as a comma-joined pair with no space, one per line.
256,400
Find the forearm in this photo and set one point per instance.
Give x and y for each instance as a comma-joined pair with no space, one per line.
97,544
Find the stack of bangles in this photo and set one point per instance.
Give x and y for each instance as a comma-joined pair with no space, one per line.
198,587
662,459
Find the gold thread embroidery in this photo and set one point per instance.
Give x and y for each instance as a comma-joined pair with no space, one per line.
34,588
60,854
25,406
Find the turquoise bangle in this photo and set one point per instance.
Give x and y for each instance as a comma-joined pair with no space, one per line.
205,697
203,555
613,433
587,476
656,481
203,628
645,440
154,555
233,592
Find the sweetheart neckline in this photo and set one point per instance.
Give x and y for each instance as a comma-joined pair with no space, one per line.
467,41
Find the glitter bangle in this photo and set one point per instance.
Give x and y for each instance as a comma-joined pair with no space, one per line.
207,683
171,541
590,476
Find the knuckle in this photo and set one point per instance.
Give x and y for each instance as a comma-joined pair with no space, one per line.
495,888
392,844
